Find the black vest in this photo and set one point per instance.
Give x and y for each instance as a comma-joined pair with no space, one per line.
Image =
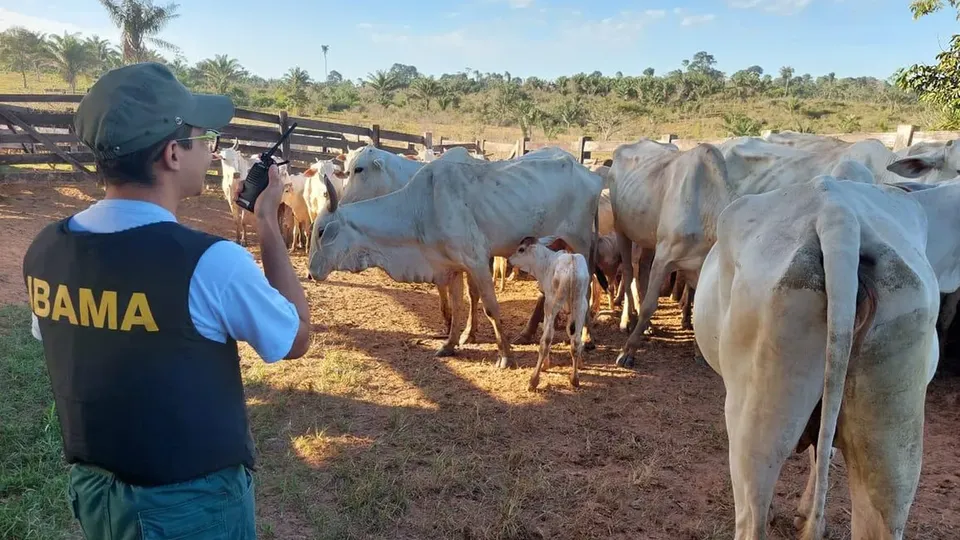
138,390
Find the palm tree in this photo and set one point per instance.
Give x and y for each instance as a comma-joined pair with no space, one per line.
383,84
221,72
139,20
324,49
104,56
426,89
70,57
296,80
786,73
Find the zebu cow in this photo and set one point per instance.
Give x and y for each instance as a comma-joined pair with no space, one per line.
667,202
372,172
454,215
941,160
821,292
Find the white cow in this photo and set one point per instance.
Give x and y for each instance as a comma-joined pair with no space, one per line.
819,295
293,196
665,201
235,167
941,159
453,216
372,172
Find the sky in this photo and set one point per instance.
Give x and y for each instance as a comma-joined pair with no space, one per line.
544,38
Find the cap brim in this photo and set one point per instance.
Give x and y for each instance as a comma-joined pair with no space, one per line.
210,111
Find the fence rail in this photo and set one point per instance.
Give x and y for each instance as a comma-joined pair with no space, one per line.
32,136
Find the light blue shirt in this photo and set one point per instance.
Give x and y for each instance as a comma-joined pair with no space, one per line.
229,294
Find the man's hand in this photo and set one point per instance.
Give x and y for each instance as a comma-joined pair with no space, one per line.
268,202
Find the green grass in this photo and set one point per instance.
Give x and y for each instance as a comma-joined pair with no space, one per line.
33,475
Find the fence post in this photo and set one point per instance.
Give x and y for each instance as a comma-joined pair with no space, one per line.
669,138
482,145
581,152
904,136
284,123
522,146
428,140
375,135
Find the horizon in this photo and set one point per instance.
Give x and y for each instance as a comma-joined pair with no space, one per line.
533,37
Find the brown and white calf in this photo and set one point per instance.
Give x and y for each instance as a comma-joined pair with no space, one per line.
564,278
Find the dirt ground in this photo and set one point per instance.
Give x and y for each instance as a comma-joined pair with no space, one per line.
370,436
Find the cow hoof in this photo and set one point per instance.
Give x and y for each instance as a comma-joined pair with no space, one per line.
468,338
446,351
503,363
625,361
575,382
534,383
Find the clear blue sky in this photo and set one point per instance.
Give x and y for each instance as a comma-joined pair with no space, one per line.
531,37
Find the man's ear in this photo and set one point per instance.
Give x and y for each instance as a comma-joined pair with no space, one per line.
171,156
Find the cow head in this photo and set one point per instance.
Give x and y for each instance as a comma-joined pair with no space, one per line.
532,251
937,165
372,172
329,239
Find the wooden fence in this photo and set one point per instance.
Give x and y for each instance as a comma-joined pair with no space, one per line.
584,147
32,136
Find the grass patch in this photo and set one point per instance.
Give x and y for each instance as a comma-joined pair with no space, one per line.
33,475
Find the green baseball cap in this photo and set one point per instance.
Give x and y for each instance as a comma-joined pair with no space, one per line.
132,107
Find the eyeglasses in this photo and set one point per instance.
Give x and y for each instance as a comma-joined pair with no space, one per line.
212,137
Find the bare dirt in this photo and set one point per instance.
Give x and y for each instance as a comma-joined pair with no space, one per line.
370,436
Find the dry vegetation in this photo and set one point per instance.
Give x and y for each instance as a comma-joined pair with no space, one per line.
370,436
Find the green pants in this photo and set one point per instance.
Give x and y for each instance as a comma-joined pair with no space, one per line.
217,506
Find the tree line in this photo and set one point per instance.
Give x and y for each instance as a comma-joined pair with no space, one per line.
602,102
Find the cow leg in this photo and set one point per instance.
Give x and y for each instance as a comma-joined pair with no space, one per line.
948,311
686,306
659,270
469,334
546,339
443,291
576,341
676,294
627,317
882,444
526,336
480,275
454,288
759,446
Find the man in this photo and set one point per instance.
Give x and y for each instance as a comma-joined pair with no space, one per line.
140,317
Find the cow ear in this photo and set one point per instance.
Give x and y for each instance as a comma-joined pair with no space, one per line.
528,241
916,166
558,244
310,172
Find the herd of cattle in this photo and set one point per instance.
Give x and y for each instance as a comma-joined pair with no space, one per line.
821,275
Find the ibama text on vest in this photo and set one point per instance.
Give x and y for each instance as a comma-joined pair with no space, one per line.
83,307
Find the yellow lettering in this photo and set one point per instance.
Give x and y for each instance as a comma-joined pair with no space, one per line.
105,313
41,297
63,305
138,312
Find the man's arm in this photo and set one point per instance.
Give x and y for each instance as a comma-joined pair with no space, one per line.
276,262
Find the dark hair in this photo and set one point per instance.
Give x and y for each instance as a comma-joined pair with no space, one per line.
137,167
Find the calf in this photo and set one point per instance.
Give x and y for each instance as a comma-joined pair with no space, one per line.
564,278
293,196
